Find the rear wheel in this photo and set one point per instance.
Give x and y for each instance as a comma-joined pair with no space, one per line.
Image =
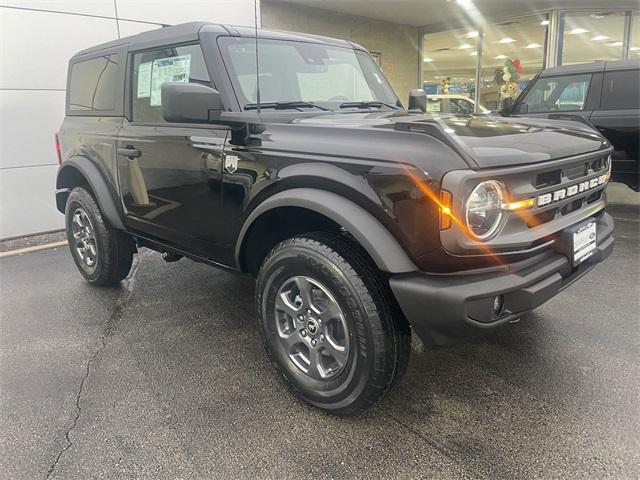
102,254
329,324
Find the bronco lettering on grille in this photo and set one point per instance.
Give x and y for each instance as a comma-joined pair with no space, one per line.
563,193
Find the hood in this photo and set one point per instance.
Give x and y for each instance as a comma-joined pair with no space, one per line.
483,141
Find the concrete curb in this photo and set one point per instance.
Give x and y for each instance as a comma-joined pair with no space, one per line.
35,248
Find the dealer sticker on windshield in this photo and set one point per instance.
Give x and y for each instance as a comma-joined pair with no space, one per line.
584,242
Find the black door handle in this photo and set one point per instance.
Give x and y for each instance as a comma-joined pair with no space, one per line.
129,151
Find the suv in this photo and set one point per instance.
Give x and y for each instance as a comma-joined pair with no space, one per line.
605,94
361,221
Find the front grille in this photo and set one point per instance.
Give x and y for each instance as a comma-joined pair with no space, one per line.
567,175
572,171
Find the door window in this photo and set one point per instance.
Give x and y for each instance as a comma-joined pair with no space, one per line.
620,90
556,94
153,68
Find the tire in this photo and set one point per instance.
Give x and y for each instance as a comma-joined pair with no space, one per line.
102,254
361,348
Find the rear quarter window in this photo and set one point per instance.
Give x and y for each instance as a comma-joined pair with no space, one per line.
621,90
93,84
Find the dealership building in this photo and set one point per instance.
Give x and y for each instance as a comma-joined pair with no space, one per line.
457,47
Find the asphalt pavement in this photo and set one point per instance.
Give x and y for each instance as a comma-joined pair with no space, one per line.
165,377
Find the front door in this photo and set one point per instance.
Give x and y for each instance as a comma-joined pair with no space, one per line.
170,174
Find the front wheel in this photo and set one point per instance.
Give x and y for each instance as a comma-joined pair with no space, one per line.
102,254
329,323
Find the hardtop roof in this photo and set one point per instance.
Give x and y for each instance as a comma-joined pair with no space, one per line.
186,32
592,67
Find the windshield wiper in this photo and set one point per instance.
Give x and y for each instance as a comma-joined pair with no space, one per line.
367,105
284,105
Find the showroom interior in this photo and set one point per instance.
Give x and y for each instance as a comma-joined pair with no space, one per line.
459,47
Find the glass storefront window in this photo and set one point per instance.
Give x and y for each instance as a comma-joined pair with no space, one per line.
634,44
449,64
591,36
512,53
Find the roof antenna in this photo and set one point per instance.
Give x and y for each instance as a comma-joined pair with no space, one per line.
255,14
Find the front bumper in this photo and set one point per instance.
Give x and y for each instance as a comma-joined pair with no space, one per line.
446,308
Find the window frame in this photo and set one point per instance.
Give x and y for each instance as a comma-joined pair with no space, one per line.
129,97
118,107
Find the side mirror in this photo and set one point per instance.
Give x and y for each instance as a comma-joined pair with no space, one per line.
505,106
418,100
190,103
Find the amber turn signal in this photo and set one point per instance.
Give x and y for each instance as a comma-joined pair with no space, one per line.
445,210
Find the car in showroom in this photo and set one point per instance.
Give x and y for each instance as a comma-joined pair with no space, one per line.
606,95
450,103
362,221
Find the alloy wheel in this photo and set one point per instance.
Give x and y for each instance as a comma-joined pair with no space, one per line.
84,237
311,328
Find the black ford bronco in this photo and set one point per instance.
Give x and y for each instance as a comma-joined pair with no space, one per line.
298,164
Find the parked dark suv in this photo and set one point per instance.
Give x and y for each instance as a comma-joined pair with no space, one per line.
606,94
361,220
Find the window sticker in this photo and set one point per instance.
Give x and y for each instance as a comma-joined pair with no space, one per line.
171,69
144,80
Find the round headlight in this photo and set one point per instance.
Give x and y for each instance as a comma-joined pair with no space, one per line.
484,209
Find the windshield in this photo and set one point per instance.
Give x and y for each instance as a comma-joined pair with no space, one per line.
331,77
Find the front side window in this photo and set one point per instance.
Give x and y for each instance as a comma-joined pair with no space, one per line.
556,94
93,84
153,68
303,72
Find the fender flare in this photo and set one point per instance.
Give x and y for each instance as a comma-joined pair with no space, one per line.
379,243
103,193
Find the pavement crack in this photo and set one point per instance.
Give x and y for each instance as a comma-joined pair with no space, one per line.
107,330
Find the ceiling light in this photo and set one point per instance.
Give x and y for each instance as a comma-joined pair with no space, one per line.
614,44
464,3
577,31
427,59
634,49
473,54
544,22
464,46
473,34
599,38
533,45
506,40
500,57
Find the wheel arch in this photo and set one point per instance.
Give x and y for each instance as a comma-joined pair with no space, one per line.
80,171
339,213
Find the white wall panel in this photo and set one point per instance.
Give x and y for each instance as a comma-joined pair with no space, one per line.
36,46
27,201
28,120
104,8
171,12
131,28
